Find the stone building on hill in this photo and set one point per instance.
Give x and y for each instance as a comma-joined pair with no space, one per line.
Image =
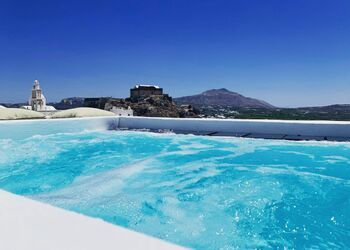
144,91
96,102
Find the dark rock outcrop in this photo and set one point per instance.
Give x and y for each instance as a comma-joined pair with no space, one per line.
154,106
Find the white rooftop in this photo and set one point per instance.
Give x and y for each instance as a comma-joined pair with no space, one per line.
145,85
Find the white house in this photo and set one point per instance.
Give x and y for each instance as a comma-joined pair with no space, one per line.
122,112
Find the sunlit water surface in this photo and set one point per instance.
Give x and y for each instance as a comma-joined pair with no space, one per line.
199,192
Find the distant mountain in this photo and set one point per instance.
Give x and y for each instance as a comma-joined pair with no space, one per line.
330,108
222,97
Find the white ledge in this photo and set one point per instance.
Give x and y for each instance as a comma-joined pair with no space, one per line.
271,127
27,224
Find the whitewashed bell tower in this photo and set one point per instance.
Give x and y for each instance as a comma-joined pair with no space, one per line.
37,100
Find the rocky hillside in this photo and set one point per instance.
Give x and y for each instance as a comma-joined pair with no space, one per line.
154,106
222,97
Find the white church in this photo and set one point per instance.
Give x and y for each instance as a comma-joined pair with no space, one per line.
37,100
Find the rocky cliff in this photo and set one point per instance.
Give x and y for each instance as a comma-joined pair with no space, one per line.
154,106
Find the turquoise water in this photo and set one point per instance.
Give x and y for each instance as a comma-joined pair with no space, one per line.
199,192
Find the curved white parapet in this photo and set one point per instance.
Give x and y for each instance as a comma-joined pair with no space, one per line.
30,225
302,128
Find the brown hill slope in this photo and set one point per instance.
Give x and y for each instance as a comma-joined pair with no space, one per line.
222,97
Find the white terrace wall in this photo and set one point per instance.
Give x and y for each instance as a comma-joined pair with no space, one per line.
26,128
303,128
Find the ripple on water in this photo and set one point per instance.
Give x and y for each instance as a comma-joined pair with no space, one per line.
200,192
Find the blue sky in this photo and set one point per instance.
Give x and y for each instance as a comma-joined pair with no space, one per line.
289,53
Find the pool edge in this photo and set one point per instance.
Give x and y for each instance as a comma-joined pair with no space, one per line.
29,224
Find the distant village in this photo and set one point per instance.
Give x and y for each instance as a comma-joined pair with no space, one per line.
150,100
